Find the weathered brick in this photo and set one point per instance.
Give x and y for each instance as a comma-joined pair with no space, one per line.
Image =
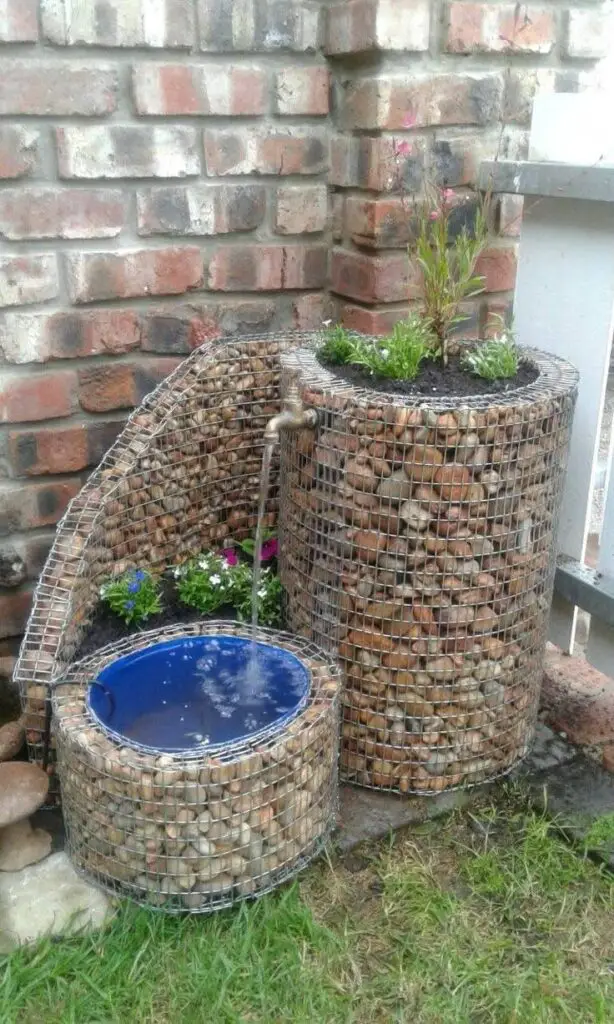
394,101
18,151
41,396
60,213
179,330
26,279
30,506
589,34
262,151
379,223
175,89
498,267
268,268
258,25
57,88
505,28
338,216
301,90
19,21
48,450
521,85
241,316
371,321
127,151
390,278
166,23
383,164
121,385
301,209
510,216
310,311
14,611
93,276
32,552
39,337
200,209
456,159
364,25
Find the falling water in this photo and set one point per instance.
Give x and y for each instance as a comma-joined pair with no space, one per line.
265,473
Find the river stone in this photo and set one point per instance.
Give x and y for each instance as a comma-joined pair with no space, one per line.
48,899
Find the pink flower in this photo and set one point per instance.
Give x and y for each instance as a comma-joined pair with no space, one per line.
409,119
434,215
447,195
230,556
402,147
269,549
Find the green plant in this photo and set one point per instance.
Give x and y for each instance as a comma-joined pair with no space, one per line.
448,260
493,360
337,347
269,600
206,582
400,354
134,596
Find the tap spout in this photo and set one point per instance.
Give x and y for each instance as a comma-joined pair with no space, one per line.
293,416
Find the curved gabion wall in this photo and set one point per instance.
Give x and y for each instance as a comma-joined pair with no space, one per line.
182,476
417,540
198,832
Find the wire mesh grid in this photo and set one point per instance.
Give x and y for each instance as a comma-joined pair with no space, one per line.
199,831
417,541
181,477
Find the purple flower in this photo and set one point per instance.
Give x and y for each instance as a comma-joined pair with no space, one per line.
230,556
128,605
269,549
133,588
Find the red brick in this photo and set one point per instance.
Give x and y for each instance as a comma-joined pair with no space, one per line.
265,151
494,312
371,321
179,330
26,279
302,90
19,22
268,268
38,337
93,276
577,699
57,88
196,89
364,25
127,151
60,213
18,151
205,209
310,311
14,612
48,450
393,101
369,279
301,209
246,316
121,385
259,26
30,506
384,164
498,267
167,23
42,396
456,159
379,223
488,28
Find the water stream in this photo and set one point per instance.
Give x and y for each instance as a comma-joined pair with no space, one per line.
253,672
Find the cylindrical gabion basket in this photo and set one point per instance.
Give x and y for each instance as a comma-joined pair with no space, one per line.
197,831
417,541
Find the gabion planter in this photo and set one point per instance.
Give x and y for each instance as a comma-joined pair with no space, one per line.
417,541
196,831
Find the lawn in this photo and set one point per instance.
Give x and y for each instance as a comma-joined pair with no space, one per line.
483,917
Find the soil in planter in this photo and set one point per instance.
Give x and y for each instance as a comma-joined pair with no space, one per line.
435,380
107,628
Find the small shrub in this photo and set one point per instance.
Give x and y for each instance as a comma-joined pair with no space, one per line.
269,600
493,360
337,347
134,597
398,356
206,582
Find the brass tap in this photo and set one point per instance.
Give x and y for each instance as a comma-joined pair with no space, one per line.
293,416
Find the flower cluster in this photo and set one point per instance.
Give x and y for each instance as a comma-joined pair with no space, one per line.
134,596
213,581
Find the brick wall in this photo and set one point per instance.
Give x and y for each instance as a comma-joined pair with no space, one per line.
163,179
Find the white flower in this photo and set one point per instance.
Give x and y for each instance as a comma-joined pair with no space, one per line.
326,323
262,592
215,580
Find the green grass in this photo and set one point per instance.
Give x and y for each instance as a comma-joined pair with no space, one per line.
484,918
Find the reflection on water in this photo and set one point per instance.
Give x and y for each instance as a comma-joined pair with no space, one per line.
198,691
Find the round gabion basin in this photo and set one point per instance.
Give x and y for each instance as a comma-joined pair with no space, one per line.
225,805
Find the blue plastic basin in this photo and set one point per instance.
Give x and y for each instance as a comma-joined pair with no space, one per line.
198,692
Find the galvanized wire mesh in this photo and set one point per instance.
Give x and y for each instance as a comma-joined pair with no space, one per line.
182,477
197,832
417,540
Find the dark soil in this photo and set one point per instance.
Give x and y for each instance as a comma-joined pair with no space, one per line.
435,379
107,628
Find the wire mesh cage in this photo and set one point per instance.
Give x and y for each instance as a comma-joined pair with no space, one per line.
182,477
199,831
417,540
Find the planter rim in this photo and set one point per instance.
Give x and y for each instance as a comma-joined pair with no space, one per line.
557,377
